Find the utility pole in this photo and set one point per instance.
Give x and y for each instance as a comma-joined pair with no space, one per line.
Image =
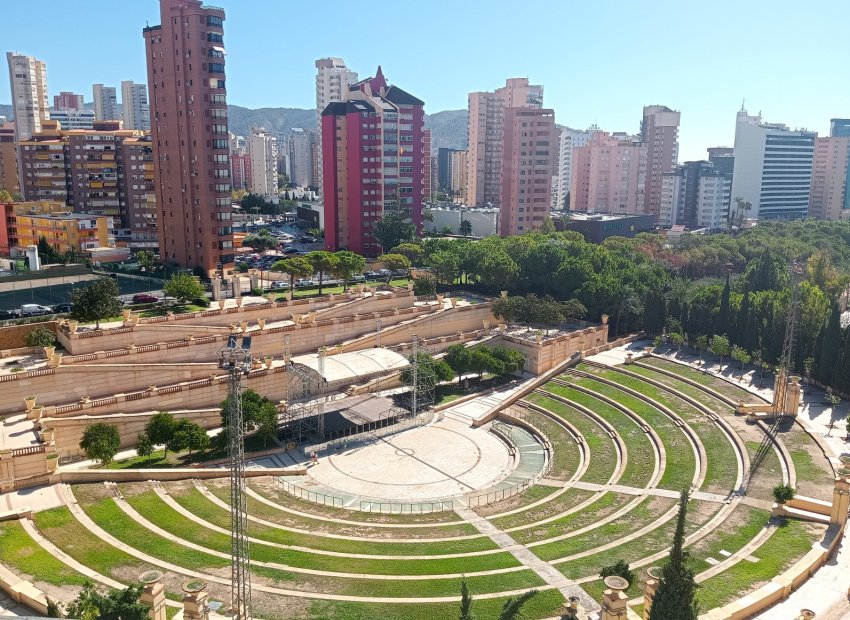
236,360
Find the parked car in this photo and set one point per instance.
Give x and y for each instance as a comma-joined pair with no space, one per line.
383,273
8,314
62,308
305,283
371,275
144,298
358,278
307,239
34,310
280,284
291,251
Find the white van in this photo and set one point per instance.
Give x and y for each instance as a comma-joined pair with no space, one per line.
34,310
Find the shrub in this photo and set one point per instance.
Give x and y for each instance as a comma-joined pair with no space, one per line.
101,442
783,493
619,568
40,337
424,284
202,302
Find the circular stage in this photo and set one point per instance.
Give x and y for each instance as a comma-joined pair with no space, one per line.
440,461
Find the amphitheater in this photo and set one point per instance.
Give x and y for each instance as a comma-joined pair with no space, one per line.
535,485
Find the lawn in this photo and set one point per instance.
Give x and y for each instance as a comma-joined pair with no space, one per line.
732,535
681,463
640,453
158,459
565,451
722,386
23,554
565,501
447,392
328,289
603,454
607,504
706,398
722,464
791,541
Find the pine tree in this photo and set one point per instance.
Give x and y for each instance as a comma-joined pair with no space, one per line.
674,599
741,320
830,346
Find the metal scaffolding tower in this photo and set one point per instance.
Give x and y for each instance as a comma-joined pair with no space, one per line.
236,360
304,417
422,379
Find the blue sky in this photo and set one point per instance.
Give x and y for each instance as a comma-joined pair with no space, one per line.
599,61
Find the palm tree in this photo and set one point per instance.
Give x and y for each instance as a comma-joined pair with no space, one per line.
629,303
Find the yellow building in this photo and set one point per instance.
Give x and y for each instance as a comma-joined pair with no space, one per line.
63,229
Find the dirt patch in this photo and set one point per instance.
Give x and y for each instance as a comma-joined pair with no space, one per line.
90,493
279,607
132,489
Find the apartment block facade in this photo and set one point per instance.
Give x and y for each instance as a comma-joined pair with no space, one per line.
301,149
773,168
28,85
696,195
828,197
609,174
529,157
105,103
568,139
659,131
188,106
68,101
104,171
135,111
333,79
63,229
262,149
8,158
376,160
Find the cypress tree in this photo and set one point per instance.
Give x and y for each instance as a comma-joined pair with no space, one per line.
742,319
841,370
674,599
827,354
721,326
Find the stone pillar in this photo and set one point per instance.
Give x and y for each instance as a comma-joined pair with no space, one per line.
195,600
614,600
255,280
792,396
153,594
840,501
630,359
237,287
216,289
650,588
571,608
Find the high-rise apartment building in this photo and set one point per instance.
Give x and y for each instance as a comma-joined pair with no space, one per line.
300,161
609,174
659,131
101,171
28,81
105,103
444,168
262,148
73,119
773,168
828,197
568,139
8,158
457,166
486,135
376,160
528,160
68,101
188,105
333,79
695,195
723,158
134,106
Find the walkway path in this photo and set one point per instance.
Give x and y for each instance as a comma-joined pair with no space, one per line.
546,571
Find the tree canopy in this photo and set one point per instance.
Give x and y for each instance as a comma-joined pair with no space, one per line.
392,230
96,301
183,287
101,442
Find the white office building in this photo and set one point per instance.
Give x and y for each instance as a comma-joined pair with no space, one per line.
695,195
105,103
773,168
28,82
262,147
134,106
333,78
73,119
568,139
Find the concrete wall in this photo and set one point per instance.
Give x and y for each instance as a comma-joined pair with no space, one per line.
67,384
544,355
15,336
21,464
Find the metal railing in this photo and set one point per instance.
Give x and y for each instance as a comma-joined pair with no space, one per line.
399,508
310,496
492,497
367,437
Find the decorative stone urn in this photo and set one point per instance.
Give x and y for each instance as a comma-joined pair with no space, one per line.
243,325
35,413
49,351
605,319
52,461
239,302
72,326
47,435
126,313
29,401
269,359
261,323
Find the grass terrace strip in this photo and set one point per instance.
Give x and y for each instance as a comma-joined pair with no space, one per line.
566,457
21,553
731,536
199,505
567,501
719,385
601,448
791,542
681,466
606,505
546,604
641,454
721,459
708,399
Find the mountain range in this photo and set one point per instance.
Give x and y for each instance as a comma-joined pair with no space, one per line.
448,128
